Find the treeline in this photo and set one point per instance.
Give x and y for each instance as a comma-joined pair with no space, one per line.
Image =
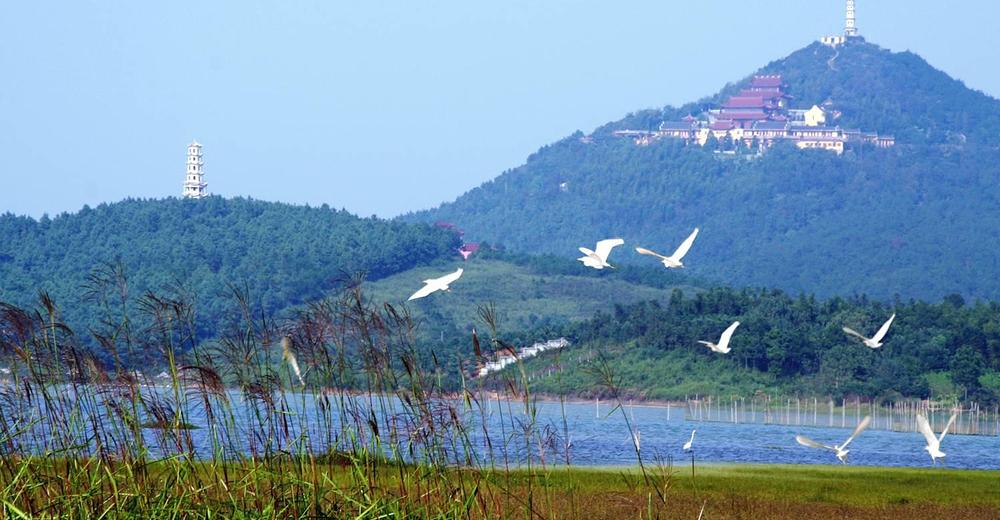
796,345
281,254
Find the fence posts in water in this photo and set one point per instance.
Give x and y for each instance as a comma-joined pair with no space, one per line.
972,418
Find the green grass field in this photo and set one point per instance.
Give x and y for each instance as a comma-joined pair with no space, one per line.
782,491
523,298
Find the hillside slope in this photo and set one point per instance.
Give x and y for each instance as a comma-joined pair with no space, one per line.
911,220
525,296
280,254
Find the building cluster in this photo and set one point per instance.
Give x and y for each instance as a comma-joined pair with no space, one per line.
760,116
503,360
757,118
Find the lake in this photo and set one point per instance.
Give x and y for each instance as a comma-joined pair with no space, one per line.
603,440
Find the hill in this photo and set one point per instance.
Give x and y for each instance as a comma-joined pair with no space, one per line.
538,294
279,254
909,220
784,346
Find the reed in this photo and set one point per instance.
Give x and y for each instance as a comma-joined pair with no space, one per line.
335,411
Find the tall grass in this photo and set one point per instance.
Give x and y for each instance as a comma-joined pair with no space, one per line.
333,412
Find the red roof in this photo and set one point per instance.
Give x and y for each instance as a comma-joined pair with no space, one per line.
745,115
766,82
689,118
745,102
722,125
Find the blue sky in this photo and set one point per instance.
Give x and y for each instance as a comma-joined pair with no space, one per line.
384,107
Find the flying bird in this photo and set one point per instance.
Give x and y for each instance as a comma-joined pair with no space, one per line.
841,451
436,284
289,357
598,258
875,341
687,445
933,442
673,261
722,347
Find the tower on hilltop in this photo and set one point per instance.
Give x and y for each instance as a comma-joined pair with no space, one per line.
850,29
195,186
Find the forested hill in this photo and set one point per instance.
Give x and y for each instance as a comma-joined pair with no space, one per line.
915,220
282,254
784,346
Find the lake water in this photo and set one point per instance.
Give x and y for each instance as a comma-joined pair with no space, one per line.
594,439
604,440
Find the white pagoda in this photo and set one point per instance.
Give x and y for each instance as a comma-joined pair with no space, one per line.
850,28
195,186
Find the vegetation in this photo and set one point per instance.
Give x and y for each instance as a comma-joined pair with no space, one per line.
240,427
79,439
784,346
910,220
283,254
530,293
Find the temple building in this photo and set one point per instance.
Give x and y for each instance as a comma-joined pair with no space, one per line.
195,186
758,117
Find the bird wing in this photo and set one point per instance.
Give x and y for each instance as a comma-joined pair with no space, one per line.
604,247
855,333
428,288
885,328
951,421
586,251
448,278
685,245
644,251
925,429
727,334
708,344
857,430
806,441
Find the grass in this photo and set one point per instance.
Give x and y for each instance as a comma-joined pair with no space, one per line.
647,374
382,436
522,298
726,491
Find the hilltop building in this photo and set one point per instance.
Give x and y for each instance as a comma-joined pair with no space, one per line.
195,186
756,118
850,29
760,115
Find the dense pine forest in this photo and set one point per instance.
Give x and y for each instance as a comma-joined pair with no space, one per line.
281,255
785,345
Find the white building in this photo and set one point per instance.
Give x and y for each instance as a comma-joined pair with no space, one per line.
850,29
195,186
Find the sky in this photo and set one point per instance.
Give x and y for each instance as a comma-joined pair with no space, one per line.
384,107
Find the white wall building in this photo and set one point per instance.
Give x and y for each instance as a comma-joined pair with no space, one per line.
195,186
850,29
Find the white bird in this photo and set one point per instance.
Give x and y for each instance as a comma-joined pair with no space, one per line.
598,258
687,445
436,284
722,346
289,357
673,261
875,341
933,442
840,450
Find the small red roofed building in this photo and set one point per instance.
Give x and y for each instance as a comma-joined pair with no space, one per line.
468,249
